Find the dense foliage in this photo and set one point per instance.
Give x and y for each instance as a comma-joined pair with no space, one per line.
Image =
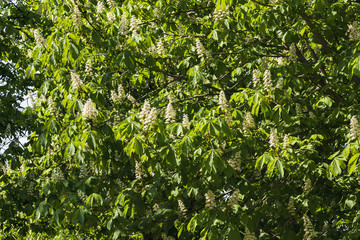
184,119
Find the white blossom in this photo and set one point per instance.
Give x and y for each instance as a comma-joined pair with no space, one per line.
111,17
111,3
139,171
291,208
131,98
273,139
256,77
150,119
51,105
220,14
89,110
123,24
88,68
353,29
169,114
77,16
234,198
201,51
134,24
209,199
222,100
280,83
121,92
267,80
292,53
235,162
182,206
75,80
354,128
114,96
248,122
307,186
308,229
185,121
171,97
160,50
100,8
145,111
285,141
38,38
281,61
228,117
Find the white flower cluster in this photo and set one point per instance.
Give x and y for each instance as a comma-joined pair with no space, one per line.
248,122
267,80
150,119
292,53
57,174
182,206
285,141
222,100
201,51
354,128
145,110
134,25
123,24
38,38
81,195
83,171
158,13
118,96
88,68
256,77
139,171
307,186
281,61
273,139
209,199
111,3
249,235
308,229
234,198
228,117
160,50
89,110
235,162
220,14
111,17
100,8
51,105
185,121
353,29
131,99
280,83
77,16
75,80
291,208
170,114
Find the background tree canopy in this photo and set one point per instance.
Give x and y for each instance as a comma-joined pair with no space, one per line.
184,119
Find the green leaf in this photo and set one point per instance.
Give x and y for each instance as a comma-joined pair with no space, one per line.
94,200
352,163
192,224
